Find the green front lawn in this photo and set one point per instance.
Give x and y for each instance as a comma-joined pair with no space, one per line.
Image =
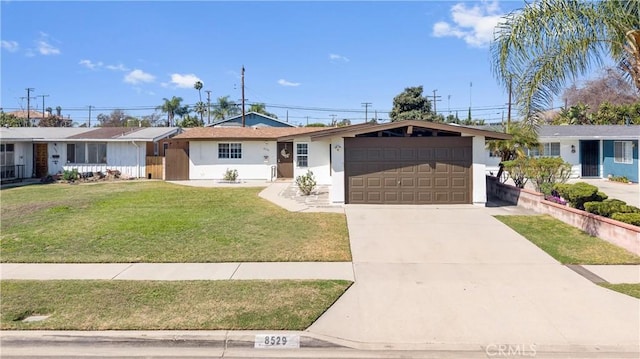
568,244
161,222
196,305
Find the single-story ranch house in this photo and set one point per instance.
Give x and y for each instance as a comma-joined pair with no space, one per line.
40,151
405,162
596,151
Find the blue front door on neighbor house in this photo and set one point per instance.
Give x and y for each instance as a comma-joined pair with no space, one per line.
620,158
590,158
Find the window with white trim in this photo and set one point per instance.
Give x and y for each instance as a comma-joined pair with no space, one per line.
229,150
622,152
549,149
88,152
302,154
6,154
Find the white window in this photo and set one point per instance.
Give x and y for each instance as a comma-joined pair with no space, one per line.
90,152
6,154
229,150
549,149
622,152
302,154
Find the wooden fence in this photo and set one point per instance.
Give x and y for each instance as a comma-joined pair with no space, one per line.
155,167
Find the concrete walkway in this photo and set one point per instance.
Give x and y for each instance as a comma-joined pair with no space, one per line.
439,276
179,271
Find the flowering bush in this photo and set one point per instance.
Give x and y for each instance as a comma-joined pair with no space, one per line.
555,198
558,200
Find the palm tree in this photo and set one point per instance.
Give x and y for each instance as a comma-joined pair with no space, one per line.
261,108
198,86
549,42
172,107
224,108
200,108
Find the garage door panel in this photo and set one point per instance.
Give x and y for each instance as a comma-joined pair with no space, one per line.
425,182
442,168
459,182
373,182
408,170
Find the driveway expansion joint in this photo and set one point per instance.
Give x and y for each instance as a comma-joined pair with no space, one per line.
594,278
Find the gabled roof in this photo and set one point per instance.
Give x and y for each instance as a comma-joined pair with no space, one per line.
118,134
247,133
351,131
590,131
247,114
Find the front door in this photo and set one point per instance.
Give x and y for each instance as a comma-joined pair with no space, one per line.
285,159
41,159
589,158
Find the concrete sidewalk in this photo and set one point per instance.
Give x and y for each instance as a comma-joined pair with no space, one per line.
179,271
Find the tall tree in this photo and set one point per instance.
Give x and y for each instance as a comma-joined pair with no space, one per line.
549,42
200,105
117,118
610,87
173,107
261,108
411,105
224,108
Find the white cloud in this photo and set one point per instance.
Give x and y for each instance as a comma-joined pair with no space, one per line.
89,64
137,76
475,24
118,67
184,81
284,82
11,46
44,47
336,57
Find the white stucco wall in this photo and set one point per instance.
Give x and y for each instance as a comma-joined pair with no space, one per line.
127,157
205,164
478,167
318,160
337,164
23,155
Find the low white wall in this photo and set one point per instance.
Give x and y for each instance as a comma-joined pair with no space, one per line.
205,164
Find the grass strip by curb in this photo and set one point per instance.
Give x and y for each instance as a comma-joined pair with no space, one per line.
567,244
162,305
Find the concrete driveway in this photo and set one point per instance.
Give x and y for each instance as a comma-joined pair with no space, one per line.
430,276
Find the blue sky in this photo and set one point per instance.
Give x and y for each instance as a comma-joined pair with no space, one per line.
299,57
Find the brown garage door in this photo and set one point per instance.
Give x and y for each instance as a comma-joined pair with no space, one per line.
408,170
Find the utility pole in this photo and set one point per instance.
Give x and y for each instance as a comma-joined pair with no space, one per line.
243,123
90,107
208,106
43,96
435,99
366,110
449,104
29,89
509,105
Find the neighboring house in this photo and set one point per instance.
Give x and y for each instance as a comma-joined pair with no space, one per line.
251,119
592,150
405,162
34,116
40,151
